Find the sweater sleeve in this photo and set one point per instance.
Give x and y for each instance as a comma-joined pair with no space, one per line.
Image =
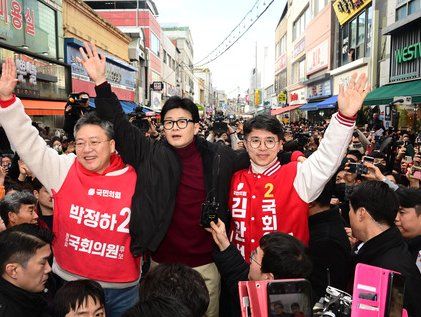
46,164
131,143
313,174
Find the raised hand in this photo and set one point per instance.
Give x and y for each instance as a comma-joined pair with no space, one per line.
8,79
93,63
351,98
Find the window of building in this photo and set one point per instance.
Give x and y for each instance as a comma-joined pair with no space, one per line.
408,8
281,46
355,37
318,6
299,71
155,45
300,24
164,54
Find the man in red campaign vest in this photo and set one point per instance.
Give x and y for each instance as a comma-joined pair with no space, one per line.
92,194
268,196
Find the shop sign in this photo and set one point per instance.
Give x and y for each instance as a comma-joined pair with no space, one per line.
318,57
282,97
322,89
298,97
347,9
118,76
157,86
299,48
21,16
281,63
408,53
37,78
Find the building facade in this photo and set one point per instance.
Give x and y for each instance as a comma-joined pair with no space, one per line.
31,33
182,39
81,23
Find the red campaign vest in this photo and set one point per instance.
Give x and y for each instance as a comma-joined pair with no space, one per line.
91,226
261,204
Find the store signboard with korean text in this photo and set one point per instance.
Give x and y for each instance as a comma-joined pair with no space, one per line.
318,57
38,79
117,75
346,9
29,24
405,54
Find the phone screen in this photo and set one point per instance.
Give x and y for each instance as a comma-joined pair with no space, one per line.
290,298
395,295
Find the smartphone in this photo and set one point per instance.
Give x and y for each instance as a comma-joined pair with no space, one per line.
394,300
415,172
289,297
408,159
368,159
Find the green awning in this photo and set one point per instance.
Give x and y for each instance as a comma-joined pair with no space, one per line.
385,94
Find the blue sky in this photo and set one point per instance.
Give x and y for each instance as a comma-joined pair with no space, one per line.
211,21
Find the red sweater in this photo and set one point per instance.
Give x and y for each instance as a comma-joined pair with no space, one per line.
186,241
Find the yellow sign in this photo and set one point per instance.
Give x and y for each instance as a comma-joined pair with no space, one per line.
346,9
282,97
257,97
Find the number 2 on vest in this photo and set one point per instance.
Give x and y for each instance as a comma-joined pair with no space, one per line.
269,187
123,226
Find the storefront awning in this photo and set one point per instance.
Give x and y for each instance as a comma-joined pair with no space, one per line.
277,111
128,106
329,103
385,94
43,107
309,106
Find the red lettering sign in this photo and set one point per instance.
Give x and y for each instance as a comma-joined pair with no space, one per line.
16,13
30,22
294,97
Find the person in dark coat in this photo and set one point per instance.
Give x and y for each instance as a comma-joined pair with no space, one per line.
373,209
408,220
279,256
24,253
329,247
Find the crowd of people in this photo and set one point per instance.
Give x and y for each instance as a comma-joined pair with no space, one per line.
130,217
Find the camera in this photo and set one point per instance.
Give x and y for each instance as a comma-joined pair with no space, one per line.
139,120
357,168
209,213
335,303
78,99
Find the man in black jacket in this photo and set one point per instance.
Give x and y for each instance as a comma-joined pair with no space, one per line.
408,220
24,254
329,247
174,178
279,256
373,209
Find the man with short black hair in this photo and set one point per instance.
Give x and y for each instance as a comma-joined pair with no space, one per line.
24,254
408,220
80,298
278,256
17,208
179,281
372,214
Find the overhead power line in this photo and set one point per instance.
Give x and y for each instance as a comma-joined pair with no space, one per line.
237,33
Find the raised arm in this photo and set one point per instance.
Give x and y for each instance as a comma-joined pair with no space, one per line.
46,164
315,172
131,143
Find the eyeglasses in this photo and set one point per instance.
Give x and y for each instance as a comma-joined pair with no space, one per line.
255,142
92,144
252,255
181,123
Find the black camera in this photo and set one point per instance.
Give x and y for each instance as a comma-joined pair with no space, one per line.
335,303
209,213
357,168
138,119
78,99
